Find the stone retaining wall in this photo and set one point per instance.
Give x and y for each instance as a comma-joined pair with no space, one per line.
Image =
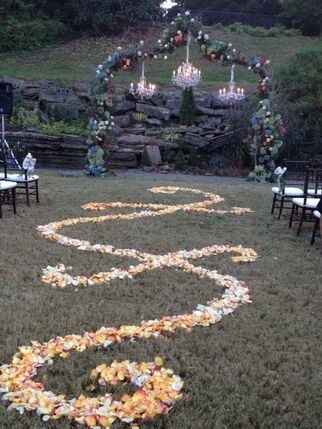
130,136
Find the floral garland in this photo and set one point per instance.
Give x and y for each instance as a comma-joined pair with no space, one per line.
174,35
267,127
158,388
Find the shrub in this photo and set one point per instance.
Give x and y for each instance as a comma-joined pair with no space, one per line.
193,156
16,34
166,156
278,30
188,107
36,119
298,85
139,117
170,134
145,160
180,160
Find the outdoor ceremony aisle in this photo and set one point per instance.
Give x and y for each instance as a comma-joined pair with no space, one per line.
154,260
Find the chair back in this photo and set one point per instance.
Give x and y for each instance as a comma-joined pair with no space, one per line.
313,182
296,172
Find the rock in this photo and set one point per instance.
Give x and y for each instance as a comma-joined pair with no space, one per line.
123,158
211,123
195,140
52,151
157,101
122,107
122,120
75,142
113,148
31,92
153,133
48,96
216,103
154,111
116,131
133,140
135,130
203,101
199,119
173,104
183,130
153,121
154,154
212,112
17,83
82,91
165,168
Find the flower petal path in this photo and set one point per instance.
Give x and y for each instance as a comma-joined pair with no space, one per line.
159,388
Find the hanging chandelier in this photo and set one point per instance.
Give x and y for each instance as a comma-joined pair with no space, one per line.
143,90
232,94
187,76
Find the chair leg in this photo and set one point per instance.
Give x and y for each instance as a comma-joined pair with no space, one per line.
315,228
14,201
292,216
27,194
301,222
273,205
37,191
281,208
0,205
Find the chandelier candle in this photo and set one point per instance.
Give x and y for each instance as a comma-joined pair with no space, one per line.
143,90
187,76
233,94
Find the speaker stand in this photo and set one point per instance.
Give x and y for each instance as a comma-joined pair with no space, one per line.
6,147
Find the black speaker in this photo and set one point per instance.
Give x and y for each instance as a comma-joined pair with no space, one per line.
6,97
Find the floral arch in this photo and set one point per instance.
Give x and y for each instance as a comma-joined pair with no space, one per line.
267,127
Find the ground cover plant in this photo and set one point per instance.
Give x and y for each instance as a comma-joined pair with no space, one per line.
256,368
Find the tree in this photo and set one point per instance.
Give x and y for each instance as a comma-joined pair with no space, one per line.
298,84
305,15
112,16
269,7
188,107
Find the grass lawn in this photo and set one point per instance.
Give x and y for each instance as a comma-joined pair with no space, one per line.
257,368
77,60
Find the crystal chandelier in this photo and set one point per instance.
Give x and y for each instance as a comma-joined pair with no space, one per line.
233,94
143,90
187,76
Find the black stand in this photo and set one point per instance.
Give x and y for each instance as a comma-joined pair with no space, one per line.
6,148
